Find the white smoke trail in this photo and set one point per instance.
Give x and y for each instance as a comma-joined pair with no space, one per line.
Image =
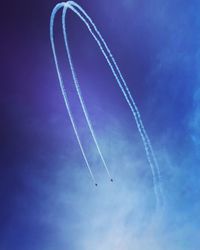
133,108
79,91
146,141
123,86
55,10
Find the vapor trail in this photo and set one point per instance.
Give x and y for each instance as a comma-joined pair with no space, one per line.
55,10
126,92
79,90
123,86
146,141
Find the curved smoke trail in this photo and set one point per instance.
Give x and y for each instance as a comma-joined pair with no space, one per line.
79,92
146,141
55,10
121,82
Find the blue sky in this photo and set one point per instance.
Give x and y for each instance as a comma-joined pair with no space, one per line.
48,200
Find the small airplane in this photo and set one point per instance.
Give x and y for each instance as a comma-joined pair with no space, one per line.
110,180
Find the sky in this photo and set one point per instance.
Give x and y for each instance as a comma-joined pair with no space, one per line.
47,198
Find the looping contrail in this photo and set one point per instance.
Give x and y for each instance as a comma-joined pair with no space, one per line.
121,82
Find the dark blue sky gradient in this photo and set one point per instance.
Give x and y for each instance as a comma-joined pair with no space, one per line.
47,200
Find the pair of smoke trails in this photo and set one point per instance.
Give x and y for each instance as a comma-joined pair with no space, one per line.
121,82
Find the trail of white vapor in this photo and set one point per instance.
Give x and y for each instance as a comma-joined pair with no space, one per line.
55,10
123,86
115,69
148,148
79,90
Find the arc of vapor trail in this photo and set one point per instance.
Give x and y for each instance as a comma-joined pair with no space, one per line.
64,93
124,87
79,90
120,80
125,90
